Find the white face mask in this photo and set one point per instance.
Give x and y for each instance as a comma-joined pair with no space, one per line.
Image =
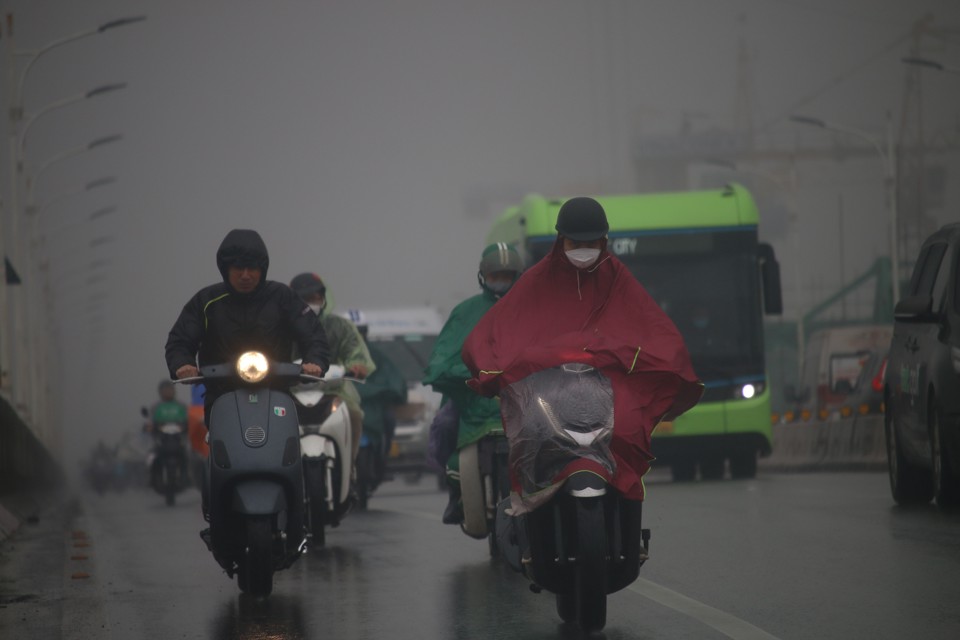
583,258
316,308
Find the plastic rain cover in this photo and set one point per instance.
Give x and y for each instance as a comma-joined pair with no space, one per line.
557,421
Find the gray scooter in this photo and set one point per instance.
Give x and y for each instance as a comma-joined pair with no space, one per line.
254,471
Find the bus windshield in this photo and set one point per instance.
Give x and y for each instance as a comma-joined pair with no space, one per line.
707,281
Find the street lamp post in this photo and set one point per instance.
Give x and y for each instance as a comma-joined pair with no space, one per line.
890,181
15,113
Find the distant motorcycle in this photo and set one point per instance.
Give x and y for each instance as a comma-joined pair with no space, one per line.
578,538
101,470
256,504
169,474
326,445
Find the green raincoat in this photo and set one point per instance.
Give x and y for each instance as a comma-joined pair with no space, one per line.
447,373
347,348
385,387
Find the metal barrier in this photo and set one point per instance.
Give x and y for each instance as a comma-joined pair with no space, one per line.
850,443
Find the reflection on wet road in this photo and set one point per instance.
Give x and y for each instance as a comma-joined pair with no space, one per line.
783,556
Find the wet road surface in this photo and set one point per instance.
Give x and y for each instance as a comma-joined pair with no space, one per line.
782,556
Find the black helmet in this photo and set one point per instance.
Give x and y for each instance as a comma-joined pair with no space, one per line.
582,219
305,284
243,248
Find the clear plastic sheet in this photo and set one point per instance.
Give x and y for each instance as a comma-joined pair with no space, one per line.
552,418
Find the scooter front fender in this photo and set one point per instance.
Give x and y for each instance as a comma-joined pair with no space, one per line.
313,446
337,427
259,497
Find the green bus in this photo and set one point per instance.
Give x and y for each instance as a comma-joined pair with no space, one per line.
698,254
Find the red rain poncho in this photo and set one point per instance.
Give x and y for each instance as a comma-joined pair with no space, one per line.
601,316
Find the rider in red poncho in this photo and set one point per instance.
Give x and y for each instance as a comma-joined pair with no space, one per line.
581,304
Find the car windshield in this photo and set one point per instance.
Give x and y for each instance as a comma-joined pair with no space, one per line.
708,283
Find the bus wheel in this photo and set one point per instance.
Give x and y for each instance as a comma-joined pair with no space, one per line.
743,464
711,467
684,470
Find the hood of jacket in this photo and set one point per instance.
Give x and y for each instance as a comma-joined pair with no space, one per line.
245,248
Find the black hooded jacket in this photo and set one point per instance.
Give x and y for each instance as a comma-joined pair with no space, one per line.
219,323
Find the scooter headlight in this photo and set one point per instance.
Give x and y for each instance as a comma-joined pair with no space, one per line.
252,366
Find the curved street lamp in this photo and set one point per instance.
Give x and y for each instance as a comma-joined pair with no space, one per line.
66,155
59,104
930,64
16,112
38,386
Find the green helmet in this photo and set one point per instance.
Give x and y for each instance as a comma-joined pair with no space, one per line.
499,257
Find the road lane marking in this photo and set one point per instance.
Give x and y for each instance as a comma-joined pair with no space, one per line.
727,624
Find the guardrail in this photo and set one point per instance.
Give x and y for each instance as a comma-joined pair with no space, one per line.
27,470
851,443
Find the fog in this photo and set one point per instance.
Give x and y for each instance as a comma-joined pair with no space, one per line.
374,143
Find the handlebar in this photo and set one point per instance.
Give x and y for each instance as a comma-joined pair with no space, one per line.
303,377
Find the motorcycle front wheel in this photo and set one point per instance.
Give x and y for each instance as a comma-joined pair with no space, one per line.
256,569
364,476
170,484
314,479
590,585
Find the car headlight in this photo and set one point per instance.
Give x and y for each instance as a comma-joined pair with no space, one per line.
252,366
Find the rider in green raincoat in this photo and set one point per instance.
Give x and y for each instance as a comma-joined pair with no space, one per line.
384,389
500,266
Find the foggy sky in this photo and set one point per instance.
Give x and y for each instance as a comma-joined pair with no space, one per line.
374,143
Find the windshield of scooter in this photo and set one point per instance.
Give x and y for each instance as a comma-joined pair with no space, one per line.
556,417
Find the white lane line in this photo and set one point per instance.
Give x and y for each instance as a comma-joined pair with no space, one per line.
729,625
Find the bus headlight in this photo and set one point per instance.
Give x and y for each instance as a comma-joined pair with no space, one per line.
748,390
252,366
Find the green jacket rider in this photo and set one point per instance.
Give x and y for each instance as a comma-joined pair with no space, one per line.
500,266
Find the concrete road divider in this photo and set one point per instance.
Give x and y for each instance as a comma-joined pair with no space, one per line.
852,443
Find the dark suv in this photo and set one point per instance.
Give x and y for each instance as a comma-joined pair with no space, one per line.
922,384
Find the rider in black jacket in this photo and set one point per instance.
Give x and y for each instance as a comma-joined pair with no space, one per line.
245,312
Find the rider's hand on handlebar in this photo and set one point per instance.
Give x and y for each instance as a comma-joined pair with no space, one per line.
187,371
312,369
358,371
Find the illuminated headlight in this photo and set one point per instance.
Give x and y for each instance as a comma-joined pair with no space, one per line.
252,366
748,390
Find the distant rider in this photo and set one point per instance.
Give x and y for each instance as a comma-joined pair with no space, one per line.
347,348
168,410
385,388
500,267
